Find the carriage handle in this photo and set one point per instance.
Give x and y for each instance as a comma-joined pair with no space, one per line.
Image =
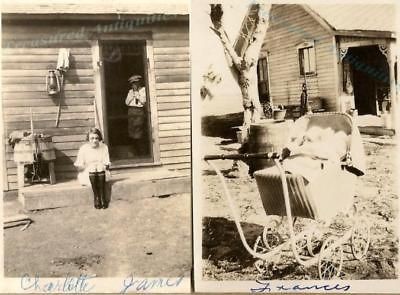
236,215
271,155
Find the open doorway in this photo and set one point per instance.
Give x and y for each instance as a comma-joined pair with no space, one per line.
370,75
129,131
263,86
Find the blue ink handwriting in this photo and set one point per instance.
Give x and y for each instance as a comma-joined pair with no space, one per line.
69,284
266,287
130,283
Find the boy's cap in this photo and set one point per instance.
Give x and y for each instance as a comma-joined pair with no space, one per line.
135,78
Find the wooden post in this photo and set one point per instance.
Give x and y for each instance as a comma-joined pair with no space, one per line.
393,93
21,175
98,74
52,174
152,98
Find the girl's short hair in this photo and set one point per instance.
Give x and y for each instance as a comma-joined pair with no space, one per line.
94,131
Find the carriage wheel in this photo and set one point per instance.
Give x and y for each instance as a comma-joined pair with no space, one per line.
271,237
261,266
314,241
260,247
301,245
330,260
360,239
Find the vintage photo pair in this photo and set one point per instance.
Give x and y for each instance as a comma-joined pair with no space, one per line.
249,146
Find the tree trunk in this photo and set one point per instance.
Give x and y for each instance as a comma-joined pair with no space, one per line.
245,66
251,104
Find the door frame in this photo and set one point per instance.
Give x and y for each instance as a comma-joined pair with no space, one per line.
99,105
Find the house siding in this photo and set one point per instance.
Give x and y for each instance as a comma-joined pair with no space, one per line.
172,79
30,50
289,26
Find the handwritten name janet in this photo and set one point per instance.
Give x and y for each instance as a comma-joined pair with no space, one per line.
132,284
68,284
266,287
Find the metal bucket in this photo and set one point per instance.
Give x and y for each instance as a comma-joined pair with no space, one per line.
267,136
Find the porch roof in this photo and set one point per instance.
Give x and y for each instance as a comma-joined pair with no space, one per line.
357,17
93,7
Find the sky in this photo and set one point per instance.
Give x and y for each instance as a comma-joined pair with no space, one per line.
207,50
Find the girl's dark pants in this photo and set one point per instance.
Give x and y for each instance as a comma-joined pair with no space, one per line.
98,180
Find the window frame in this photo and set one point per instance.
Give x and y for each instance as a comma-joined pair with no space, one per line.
307,47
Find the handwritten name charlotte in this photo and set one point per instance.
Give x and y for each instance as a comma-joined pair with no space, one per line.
68,284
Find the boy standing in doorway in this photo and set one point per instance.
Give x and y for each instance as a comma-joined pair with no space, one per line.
136,102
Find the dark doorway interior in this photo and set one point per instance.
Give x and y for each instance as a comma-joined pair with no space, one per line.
370,73
121,61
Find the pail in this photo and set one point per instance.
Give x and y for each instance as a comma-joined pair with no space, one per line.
279,115
267,136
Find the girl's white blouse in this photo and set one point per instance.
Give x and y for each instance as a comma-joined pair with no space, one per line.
88,155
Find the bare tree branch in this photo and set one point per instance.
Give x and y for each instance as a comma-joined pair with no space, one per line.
257,38
216,19
243,66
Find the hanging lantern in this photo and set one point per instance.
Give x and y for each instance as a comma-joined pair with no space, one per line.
52,83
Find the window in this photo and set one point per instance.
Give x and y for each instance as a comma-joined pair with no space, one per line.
306,53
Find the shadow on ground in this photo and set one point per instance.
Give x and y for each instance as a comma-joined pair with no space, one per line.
221,240
221,126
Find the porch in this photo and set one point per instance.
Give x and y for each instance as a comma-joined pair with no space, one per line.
376,125
124,186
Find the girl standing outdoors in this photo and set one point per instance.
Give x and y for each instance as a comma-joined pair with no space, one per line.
93,161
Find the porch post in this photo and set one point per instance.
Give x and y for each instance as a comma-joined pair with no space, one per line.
337,73
98,105
393,88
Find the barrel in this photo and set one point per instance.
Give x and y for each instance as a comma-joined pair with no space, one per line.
267,136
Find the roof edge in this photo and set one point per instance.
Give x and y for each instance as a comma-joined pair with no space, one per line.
355,33
366,33
83,16
319,19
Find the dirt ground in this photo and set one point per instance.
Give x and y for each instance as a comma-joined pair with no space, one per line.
148,237
224,257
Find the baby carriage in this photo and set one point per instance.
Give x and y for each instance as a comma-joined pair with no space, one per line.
313,180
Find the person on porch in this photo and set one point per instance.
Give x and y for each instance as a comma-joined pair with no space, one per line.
93,162
136,103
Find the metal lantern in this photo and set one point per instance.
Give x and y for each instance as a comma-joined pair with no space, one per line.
52,83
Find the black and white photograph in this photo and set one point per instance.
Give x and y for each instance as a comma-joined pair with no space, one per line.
96,146
295,176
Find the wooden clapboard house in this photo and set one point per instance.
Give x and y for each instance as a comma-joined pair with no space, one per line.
107,44
345,53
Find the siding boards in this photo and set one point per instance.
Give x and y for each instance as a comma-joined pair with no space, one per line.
46,102
33,65
26,64
43,95
175,78
24,73
173,140
172,77
43,72
290,25
39,80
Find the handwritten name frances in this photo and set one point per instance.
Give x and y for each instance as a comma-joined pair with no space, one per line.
266,287
68,284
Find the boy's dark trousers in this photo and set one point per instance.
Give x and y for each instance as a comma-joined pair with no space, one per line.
98,180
